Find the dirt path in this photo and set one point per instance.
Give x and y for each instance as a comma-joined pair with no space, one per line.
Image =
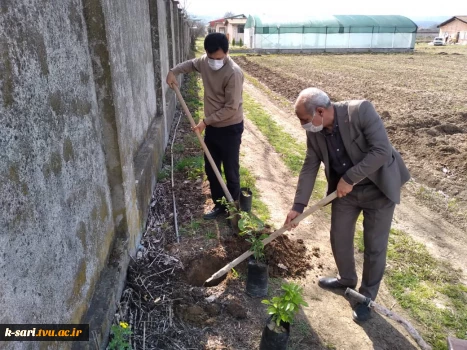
328,314
283,116
442,239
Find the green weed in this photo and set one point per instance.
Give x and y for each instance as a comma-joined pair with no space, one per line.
210,235
121,334
192,166
178,148
192,228
163,175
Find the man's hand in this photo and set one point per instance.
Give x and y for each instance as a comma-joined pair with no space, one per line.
200,127
171,80
290,216
343,188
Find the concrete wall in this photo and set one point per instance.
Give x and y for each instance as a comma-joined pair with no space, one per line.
171,48
84,120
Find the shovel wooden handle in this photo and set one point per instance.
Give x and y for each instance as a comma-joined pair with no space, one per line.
274,235
205,149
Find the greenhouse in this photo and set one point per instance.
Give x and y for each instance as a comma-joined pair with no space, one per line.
332,33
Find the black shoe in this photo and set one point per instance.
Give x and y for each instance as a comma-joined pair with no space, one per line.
214,213
361,312
332,283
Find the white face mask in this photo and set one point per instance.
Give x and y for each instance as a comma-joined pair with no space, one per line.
215,64
313,128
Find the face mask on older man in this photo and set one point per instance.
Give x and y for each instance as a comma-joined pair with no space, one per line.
313,128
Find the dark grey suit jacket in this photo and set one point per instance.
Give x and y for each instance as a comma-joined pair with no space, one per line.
367,144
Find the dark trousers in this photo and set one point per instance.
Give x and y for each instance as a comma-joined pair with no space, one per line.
224,146
378,211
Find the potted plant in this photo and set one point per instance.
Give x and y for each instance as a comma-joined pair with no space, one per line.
282,310
257,275
246,196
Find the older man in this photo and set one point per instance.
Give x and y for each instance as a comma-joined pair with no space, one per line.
367,172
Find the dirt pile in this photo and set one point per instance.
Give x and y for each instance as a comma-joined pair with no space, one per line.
286,258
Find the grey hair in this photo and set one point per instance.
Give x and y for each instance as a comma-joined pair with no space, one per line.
313,98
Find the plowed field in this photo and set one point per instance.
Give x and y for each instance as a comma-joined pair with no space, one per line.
422,99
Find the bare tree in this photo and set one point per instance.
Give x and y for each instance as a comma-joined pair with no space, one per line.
198,27
229,14
185,4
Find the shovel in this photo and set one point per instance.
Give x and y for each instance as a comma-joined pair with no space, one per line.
390,314
325,201
208,155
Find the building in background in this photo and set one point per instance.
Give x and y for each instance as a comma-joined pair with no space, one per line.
454,30
217,26
332,34
233,27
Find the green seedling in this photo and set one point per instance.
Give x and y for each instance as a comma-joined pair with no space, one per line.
248,224
283,308
257,246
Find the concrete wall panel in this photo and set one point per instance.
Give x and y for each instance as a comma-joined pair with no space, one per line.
56,219
84,121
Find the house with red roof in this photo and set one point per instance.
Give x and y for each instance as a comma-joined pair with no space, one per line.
454,30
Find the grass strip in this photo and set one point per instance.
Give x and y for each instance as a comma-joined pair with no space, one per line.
292,152
428,288
259,208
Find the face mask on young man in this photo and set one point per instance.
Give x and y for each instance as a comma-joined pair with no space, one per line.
215,64
313,128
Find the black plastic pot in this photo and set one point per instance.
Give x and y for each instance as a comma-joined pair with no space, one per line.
257,278
246,199
270,340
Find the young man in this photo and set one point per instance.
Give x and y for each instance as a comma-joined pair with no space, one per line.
367,172
223,121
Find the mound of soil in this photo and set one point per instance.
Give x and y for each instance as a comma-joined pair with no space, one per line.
286,258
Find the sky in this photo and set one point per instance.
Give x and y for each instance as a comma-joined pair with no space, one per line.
410,8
